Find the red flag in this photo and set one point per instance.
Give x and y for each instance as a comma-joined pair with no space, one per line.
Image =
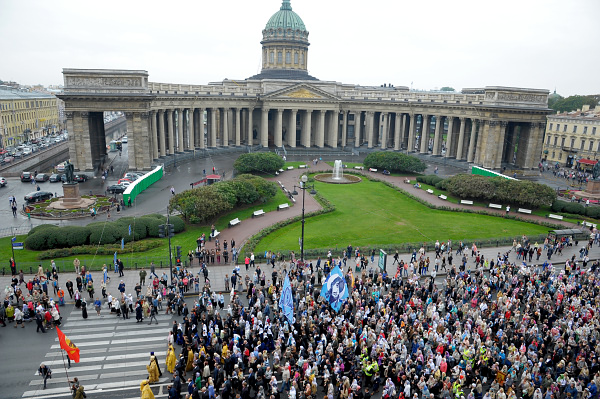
68,346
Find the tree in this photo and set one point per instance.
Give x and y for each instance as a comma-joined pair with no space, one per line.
258,162
575,102
447,88
394,162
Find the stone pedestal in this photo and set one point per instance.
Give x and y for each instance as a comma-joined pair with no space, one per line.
592,191
71,198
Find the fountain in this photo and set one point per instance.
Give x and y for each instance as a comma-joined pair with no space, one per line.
337,176
338,171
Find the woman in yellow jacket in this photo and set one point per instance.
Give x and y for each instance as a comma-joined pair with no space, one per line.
171,359
146,391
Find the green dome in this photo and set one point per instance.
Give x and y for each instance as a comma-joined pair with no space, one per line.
285,19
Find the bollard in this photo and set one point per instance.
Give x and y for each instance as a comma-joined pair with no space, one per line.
161,264
30,270
497,243
135,265
3,272
57,268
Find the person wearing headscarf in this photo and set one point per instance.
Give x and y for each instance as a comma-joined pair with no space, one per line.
171,359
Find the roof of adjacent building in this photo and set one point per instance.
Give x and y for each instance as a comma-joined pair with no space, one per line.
285,18
14,94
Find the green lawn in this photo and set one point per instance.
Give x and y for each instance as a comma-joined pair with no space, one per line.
370,213
187,240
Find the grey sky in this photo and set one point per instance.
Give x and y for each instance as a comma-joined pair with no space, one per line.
435,43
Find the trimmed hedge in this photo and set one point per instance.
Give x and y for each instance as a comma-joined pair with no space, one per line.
575,209
258,162
138,246
394,162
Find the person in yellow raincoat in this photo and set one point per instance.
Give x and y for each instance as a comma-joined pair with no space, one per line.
146,391
171,359
190,360
152,369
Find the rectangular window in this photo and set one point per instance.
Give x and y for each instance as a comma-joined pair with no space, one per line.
550,127
302,59
279,57
558,127
582,145
559,156
591,147
585,130
296,58
575,129
288,57
564,128
572,143
555,140
594,130
271,57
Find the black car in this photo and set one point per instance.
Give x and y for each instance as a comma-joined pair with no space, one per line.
116,189
80,178
38,196
42,177
55,178
26,176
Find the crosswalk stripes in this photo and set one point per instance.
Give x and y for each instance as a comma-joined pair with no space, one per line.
113,356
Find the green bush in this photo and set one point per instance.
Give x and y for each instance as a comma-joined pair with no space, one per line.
394,162
442,185
258,162
41,227
558,205
574,207
178,223
75,235
592,212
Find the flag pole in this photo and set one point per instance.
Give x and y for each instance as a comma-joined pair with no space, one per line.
62,352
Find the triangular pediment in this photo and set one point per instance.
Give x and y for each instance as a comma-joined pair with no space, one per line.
301,91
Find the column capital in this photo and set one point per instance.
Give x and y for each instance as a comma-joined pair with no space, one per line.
294,110
504,124
323,111
493,123
462,119
265,110
69,114
145,115
279,110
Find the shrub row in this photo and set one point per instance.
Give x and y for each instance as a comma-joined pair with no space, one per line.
138,246
576,208
258,162
394,162
499,190
45,237
204,204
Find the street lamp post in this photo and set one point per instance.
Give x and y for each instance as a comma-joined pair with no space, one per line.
303,187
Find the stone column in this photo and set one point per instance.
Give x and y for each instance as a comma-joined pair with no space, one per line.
425,133
357,128
142,155
250,127
320,137
438,135
278,133
238,131
334,128
344,128
264,127
471,149
190,143
180,130
212,142
225,131
133,132
384,132
370,118
499,136
170,134
292,128
461,140
74,140
306,128
154,135
533,136
161,132
449,137
398,119
412,133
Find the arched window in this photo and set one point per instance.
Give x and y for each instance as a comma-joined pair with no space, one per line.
288,57
296,58
271,57
280,57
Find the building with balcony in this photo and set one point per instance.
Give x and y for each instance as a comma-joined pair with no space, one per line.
572,137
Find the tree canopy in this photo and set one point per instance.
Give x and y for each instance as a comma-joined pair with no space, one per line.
573,103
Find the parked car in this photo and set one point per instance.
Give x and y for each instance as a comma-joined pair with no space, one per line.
18,154
131,176
8,159
55,178
3,182
124,139
38,196
116,189
26,176
124,181
60,167
27,151
42,177
80,177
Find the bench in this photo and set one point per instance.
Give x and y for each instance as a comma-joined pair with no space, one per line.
234,222
213,235
290,167
276,173
281,170
260,212
552,216
523,210
283,206
495,206
279,182
587,224
442,196
466,202
359,167
430,191
293,199
372,170
302,166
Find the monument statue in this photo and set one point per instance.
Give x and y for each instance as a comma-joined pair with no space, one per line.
596,171
69,168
